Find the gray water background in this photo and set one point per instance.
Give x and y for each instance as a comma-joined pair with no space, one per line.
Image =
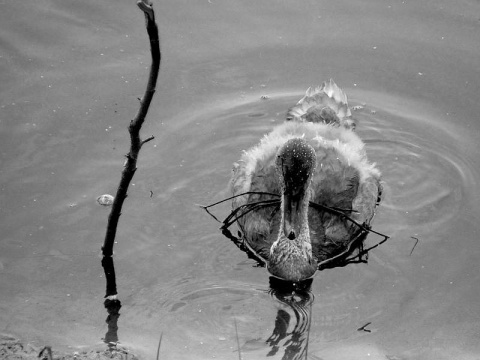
70,74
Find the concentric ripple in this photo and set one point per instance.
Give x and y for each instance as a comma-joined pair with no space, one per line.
217,294
426,179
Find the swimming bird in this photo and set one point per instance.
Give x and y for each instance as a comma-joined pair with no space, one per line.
317,165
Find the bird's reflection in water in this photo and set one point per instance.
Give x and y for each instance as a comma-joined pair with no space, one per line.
292,323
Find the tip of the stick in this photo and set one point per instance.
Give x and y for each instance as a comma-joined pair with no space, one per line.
147,7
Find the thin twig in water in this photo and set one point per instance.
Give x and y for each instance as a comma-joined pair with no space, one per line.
244,209
343,253
235,196
238,341
159,343
363,328
250,207
337,211
416,242
243,245
365,251
342,214
209,213
206,207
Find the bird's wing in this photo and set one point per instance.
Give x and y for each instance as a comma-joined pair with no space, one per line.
259,224
339,186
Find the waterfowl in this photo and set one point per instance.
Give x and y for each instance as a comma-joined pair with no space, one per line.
317,165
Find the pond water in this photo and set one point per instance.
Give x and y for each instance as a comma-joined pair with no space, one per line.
71,73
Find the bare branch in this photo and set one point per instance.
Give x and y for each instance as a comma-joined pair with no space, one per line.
130,165
150,138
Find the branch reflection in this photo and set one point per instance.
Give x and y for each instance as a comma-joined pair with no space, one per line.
113,309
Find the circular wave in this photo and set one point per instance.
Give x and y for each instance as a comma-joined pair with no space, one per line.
426,178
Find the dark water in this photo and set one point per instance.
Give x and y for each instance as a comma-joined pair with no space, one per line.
71,73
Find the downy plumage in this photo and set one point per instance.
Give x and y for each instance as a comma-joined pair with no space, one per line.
313,157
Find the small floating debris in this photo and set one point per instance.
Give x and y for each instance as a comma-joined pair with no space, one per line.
363,328
357,107
105,200
265,97
416,242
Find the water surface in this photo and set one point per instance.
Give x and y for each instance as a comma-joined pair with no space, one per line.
71,73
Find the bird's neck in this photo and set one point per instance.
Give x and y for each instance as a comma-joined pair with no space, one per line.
295,213
292,259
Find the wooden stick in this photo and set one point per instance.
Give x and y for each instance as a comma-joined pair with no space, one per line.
136,144
363,328
416,242
159,344
238,341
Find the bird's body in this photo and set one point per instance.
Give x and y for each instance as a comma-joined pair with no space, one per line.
314,158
